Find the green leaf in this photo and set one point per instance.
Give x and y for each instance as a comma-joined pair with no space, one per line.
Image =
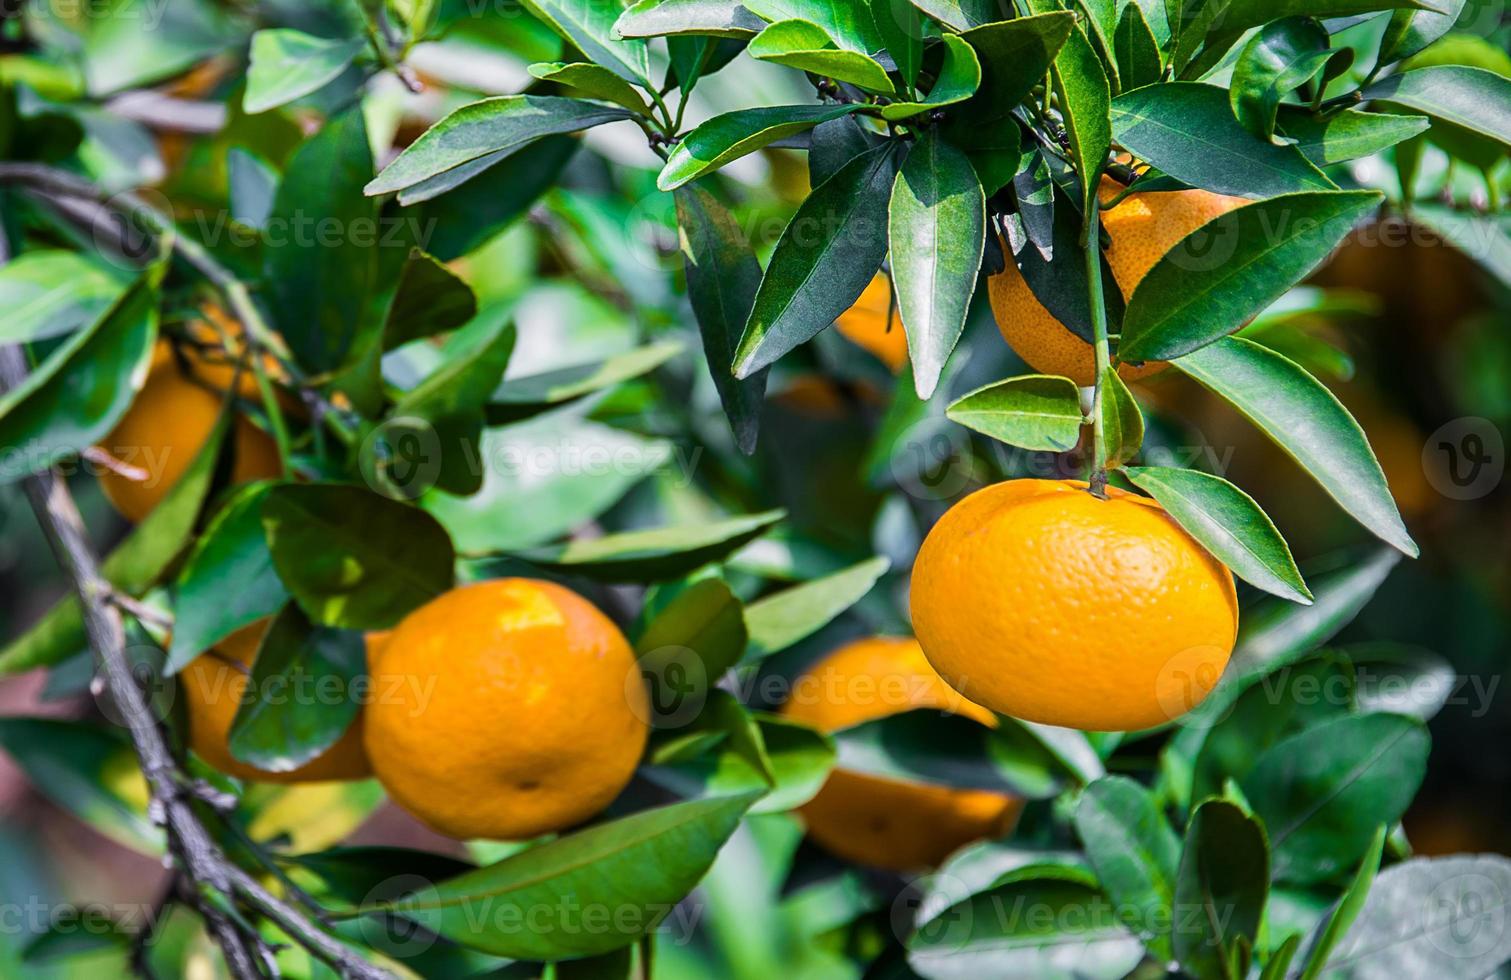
1280,58
1228,523
1322,791
1187,130
1308,422
1136,50
1081,85
778,621
653,555
50,293
1220,887
635,869
1346,135
78,394
529,395
827,255
937,231
1135,854
722,279
88,770
285,727
805,46
1476,99
1038,412
311,278
958,79
1442,917
592,82
849,24
429,299
353,559
1122,422
1347,910
1015,55
734,134
287,64
963,15
1232,268
1402,679
1410,31
902,29
717,18
705,618
486,132
589,24
228,581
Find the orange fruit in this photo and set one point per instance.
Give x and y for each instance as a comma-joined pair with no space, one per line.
1142,228
170,420
883,822
1046,603
212,687
506,709
866,325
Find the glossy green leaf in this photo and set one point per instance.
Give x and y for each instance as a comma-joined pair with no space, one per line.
488,130
1229,524
49,293
902,30
1322,792
1410,31
1015,55
705,618
1346,135
1309,423
958,79
805,46
528,395
468,216
849,24
963,15
287,64
1231,269
654,555
591,82
635,869
77,395
1136,50
1476,99
937,231
1081,84
834,144
1036,411
589,24
1122,422
1187,130
1135,854
734,134
228,581
1279,58
778,621
352,558
719,18
429,299
722,279
1346,912
1220,887
827,255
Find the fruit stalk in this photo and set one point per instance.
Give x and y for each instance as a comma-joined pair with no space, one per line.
1092,246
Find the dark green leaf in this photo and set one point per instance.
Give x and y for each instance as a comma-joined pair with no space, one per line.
523,397
1122,422
1136,50
706,619
1187,130
1308,422
352,558
287,64
634,869
1034,191
834,144
430,299
50,293
590,26
1473,98
228,581
287,725
487,131
1322,792
1220,888
592,82
781,620
827,255
722,279
937,231
965,14
805,46
902,30
1347,910
1227,522
1410,31
1279,59
734,134
958,79
1345,135
1081,84
720,18
996,151
1036,412
1015,55
653,555
1135,854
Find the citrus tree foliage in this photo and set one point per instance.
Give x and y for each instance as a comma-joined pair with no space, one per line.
944,140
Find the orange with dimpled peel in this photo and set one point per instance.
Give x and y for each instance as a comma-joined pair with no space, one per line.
1041,601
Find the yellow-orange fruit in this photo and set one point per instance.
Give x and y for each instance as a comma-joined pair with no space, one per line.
866,325
1142,228
506,709
883,822
1044,602
212,686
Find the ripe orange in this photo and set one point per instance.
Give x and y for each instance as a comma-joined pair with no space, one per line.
1142,227
170,420
882,822
212,687
506,709
1043,602
866,325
